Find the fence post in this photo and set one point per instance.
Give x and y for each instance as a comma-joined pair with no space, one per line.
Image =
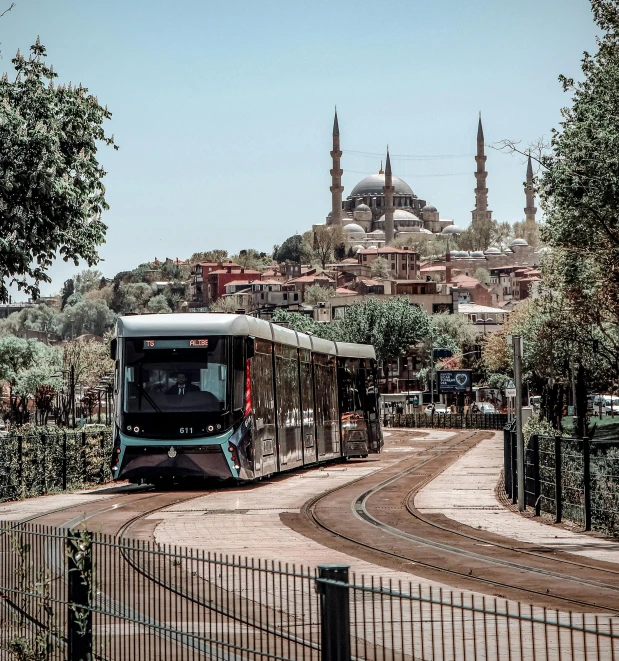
20,463
512,441
334,612
586,460
536,480
44,461
84,456
79,578
507,463
558,478
64,461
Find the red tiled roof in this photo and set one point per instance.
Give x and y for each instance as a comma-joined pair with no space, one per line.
438,267
465,281
310,278
235,271
343,291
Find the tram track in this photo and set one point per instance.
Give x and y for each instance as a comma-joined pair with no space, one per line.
421,547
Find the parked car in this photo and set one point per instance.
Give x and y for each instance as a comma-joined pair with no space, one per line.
606,404
486,408
439,409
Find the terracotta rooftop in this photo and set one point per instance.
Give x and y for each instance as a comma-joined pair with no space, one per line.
311,278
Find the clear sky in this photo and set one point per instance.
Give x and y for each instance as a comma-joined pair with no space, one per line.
223,110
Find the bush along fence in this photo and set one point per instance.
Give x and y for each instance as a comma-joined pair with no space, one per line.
446,421
38,462
571,479
75,595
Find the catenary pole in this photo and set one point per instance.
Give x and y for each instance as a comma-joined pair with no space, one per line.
517,344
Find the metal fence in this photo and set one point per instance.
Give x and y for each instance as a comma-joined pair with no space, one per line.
37,463
446,421
77,595
568,478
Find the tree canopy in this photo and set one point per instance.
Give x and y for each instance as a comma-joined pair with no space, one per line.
52,195
294,249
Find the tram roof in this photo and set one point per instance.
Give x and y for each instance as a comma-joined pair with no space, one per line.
186,324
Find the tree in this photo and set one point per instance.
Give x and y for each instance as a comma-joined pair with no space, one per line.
87,280
294,249
51,191
379,268
209,256
317,294
529,230
85,317
159,305
252,259
483,275
325,241
479,235
226,304
392,326
89,359
26,365
68,289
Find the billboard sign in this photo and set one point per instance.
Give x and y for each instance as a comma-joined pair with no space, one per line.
454,381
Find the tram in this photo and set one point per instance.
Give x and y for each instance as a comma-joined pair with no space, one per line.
230,396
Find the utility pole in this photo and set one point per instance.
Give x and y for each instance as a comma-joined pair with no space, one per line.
516,342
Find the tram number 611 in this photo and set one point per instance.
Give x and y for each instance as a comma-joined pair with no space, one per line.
186,430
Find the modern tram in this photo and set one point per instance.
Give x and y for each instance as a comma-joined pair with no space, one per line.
230,396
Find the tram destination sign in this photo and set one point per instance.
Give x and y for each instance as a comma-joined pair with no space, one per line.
454,381
181,343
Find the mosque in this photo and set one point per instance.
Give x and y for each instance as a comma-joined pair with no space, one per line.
380,207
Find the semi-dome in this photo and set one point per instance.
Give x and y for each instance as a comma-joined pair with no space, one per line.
402,214
353,227
363,213
493,250
374,184
451,229
518,242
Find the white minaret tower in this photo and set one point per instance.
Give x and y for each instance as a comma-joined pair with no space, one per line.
530,210
388,191
336,177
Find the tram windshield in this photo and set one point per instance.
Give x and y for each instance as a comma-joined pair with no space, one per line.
175,375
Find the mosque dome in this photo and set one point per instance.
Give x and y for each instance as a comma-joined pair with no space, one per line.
477,254
377,233
507,251
353,227
357,248
518,242
493,250
363,212
374,184
429,207
403,218
452,229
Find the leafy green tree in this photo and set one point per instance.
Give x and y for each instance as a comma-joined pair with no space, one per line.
85,317
87,280
317,294
159,305
209,256
483,275
25,365
294,249
392,326
252,259
324,241
68,289
51,191
379,268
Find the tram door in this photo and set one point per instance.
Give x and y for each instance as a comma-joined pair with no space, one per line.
288,407
263,402
325,398
310,448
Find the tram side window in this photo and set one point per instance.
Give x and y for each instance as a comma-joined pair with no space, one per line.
307,394
238,363
262,383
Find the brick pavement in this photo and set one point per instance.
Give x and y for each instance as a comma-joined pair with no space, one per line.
465,492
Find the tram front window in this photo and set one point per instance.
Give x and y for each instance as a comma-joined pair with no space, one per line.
172,376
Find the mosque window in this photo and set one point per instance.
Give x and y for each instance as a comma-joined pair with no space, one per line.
285,297
296,297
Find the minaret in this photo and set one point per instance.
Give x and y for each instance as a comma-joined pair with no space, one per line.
481,211
336,177
388,192
530,210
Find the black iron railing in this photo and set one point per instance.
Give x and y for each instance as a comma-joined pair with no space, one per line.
569,478
76,595
446,421
34,464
